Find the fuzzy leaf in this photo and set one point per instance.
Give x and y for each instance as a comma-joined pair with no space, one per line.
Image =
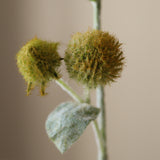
67,122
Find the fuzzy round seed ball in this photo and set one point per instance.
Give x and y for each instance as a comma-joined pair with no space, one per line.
94,57
38,62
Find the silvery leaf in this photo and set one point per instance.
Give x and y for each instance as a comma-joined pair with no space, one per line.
68,121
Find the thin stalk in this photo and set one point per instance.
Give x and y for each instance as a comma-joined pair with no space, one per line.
102,151
102,121
94,123
97,135
96,14
69,90
87,94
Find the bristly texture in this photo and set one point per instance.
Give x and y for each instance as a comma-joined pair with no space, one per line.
94,57
38,62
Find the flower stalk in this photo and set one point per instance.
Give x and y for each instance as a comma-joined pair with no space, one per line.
69,90
102,155
96,14
102,151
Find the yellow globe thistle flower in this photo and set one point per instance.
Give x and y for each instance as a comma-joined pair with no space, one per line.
94,57
38,62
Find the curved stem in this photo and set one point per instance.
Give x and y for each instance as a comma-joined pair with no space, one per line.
69,90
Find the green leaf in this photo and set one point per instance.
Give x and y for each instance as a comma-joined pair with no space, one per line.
68,121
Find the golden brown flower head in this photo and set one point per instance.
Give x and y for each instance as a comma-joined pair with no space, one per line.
94,57
38,61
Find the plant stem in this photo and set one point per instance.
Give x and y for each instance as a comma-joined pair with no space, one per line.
102,151
94,124
97,136
87,94
102,122
69,90
96,14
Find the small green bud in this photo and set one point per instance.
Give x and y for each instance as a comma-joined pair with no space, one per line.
94,57
38,62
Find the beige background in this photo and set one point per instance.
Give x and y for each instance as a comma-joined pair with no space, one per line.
133,104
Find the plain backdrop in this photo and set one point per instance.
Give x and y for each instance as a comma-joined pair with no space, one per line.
133,103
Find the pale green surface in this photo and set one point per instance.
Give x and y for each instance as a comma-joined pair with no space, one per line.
100,138
68,121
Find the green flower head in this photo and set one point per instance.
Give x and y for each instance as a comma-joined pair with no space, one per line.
94,57
38,62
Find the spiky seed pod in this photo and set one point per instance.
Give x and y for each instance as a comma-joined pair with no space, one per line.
94,57
38,62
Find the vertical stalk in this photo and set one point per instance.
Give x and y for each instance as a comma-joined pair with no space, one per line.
86,94
96,14
95,126
102,151
102,122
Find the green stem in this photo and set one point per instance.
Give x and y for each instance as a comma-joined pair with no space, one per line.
69,90
102,122
102,151
94,124
97,135
87,94
96,14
